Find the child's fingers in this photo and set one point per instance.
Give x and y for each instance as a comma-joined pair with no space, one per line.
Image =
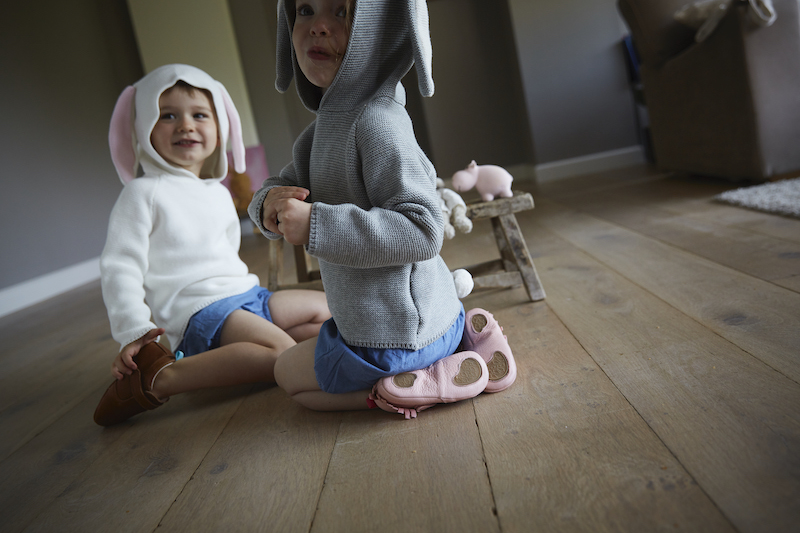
275,213
269,216
128,360
123,364
276,201
298,193
295,220
271,224
152,335
121,367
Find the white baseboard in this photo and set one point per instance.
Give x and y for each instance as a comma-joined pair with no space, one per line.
39,289
587,164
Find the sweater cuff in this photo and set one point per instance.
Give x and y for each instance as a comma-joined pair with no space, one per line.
311,247
255,210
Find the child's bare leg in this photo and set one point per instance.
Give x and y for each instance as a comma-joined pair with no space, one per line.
294,373
249,347
300,313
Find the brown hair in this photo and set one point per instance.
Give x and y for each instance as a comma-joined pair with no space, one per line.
190,89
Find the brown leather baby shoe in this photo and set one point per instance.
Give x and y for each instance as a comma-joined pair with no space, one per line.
131,395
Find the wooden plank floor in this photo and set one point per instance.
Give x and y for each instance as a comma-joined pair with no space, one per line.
657,391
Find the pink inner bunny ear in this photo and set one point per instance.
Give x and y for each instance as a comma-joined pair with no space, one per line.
237,144
120,136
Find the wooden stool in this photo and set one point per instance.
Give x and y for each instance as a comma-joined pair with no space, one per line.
515,265
306,279
514,268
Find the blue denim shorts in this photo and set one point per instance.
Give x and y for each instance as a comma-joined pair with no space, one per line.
341,368
205,326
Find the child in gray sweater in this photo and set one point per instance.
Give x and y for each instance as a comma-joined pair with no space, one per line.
360,194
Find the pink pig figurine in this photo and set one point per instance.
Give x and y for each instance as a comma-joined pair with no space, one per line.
490,181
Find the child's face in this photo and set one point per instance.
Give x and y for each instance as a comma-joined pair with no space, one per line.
319,36
186,132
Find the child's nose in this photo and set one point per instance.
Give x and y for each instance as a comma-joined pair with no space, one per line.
321,27
186,124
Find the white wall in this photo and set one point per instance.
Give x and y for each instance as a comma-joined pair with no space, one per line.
65,63
478,111
63,66
198,33
279,118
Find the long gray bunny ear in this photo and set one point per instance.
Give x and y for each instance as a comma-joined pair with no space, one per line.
284,64
421,41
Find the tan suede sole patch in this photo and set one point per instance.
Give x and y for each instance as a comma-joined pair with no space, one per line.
404,380
498,366
479,322
469,372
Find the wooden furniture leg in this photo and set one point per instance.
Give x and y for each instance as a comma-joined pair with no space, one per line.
305,279
275,264
300,265
522,257
515,266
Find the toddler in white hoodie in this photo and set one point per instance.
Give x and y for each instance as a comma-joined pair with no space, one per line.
171,262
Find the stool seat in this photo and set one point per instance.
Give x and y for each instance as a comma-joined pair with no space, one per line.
515,266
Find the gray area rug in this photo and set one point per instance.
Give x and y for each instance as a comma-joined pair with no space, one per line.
780,197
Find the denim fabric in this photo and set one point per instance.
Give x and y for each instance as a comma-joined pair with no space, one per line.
202,333
341,368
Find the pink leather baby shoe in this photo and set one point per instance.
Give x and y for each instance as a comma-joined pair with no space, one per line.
457,377
482,334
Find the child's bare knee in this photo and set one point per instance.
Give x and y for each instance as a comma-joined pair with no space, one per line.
283,376
283,343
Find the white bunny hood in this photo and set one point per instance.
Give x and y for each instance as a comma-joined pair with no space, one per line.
137,112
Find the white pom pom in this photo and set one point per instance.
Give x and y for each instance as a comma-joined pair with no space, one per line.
463,281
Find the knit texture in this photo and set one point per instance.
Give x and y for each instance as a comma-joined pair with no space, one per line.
376,224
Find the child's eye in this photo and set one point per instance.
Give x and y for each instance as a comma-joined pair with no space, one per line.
342,12
167,116
304,10
200,115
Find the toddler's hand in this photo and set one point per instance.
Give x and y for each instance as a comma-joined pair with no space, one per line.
275,199
123,363
294,221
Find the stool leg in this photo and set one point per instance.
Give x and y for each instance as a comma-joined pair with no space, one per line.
522,256
506,255
300,264
275,260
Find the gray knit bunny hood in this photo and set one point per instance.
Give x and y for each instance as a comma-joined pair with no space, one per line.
387,37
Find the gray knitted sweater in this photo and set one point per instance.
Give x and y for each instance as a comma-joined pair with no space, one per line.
376,223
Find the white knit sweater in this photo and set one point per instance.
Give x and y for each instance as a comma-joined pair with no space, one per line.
173,238
172,249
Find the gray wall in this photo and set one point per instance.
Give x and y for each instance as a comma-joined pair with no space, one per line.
517,83
561,92
279,118
478,111
576,87
63,65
